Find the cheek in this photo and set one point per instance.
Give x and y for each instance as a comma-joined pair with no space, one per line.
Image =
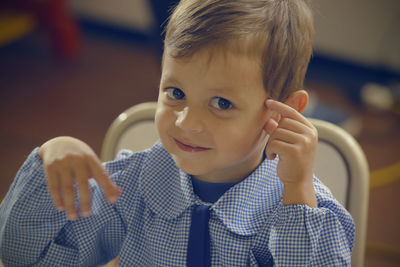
164,120
240,137
160,121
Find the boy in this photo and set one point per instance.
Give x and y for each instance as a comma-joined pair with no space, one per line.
213,192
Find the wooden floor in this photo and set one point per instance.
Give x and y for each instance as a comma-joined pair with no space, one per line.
42,96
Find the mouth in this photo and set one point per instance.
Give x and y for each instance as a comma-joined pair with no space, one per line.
190,147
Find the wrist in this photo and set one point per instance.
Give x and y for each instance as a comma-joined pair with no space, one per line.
299,193
60,142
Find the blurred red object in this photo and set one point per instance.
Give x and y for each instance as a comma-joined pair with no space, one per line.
54,17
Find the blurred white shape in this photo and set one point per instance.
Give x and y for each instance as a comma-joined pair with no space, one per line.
129,14
377,96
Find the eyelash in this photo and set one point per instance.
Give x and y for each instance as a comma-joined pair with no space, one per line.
221,101
172,91
177,94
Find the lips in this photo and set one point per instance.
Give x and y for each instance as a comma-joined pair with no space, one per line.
188,147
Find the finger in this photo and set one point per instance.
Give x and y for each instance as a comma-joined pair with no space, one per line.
279,135
111,191
286,111
288,136
270,126
294,126
82,177
286,123
69,194
280,148
53,182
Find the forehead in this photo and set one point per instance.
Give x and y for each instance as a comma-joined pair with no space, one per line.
225,65
251,45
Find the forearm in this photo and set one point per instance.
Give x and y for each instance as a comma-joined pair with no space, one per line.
29,219
305,236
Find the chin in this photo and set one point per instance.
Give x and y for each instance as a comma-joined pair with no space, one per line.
188,166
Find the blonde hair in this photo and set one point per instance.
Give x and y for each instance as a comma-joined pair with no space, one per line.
279,32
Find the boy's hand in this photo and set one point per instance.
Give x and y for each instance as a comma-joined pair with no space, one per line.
295,140
68,161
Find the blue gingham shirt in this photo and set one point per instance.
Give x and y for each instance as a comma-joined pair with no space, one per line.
149,225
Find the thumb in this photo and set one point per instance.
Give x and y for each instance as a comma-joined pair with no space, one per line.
270,126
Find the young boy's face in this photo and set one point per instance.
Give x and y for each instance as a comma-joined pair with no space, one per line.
211,113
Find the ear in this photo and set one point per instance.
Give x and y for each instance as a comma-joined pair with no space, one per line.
298,100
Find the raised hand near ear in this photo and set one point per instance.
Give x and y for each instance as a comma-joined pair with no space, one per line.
67,162
294,139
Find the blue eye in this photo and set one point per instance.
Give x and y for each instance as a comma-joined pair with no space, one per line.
175,93
221,103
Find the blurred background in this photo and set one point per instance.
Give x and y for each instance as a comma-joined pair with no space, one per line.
70,67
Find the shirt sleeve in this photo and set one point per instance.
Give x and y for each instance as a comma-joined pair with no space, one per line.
305,236
34,232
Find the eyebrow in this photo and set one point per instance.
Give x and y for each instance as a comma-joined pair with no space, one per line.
170,80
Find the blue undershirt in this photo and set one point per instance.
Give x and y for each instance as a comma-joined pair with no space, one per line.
209,192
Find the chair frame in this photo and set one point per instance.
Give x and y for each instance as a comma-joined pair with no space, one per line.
140,112
358,192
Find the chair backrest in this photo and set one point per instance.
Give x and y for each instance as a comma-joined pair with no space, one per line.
341,164
133,129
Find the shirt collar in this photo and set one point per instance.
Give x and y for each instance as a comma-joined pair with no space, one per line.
246,206
243,209
160,185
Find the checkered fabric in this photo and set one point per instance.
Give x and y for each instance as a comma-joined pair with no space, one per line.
149,225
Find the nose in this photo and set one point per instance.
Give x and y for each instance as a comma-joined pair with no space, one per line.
188,120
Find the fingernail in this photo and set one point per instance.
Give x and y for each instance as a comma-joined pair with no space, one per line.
72,216
112,199
85,213
60,208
